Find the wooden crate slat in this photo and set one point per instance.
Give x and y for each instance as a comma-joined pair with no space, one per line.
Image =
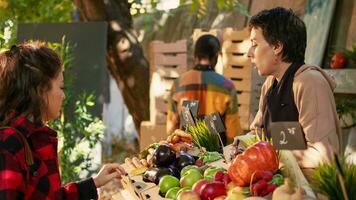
244,98
200,32
161,104
245,123
236,47
236,35
236,60
242,85
161,47
160,118
170,71
162,59
244,110
233,72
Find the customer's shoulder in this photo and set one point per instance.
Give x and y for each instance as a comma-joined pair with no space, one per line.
10,140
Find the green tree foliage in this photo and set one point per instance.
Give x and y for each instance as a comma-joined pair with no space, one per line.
78,130
13,12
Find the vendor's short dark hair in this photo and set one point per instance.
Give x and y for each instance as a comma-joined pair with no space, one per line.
283,25
207,46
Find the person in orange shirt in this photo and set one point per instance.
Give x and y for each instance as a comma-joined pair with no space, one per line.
214,92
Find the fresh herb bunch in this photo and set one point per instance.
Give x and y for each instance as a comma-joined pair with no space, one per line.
326,180
203,137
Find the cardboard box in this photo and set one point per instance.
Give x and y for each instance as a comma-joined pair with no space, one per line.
151,133
135,184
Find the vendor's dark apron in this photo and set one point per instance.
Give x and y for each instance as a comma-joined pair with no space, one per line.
279,102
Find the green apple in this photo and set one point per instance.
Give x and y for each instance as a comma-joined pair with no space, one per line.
190,177
172,193
167,182
186,168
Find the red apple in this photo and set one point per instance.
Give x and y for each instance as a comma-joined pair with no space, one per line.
219,176
189,194
220,197
198,185
338,61
212,190
226,179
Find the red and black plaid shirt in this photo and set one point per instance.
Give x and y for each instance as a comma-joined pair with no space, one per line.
40,180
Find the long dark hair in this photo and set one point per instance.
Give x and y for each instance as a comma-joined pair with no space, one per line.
26,71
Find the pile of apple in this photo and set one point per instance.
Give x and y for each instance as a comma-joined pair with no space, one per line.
196,183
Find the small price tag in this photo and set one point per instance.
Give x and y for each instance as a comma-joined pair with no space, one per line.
187,117
192,105
288,135
215,123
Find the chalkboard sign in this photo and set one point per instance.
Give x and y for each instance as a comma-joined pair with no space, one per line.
288,135
215,123
192,105
187,117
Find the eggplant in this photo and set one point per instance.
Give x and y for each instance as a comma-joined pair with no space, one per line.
150,175
163,156
175,171
162,171
183,160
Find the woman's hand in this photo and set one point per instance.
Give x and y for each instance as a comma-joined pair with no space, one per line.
107,173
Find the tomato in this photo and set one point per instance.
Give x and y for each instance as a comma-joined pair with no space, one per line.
338,61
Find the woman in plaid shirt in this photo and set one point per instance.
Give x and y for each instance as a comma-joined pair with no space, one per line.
31,93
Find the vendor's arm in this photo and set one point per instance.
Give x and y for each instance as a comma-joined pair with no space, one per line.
317,116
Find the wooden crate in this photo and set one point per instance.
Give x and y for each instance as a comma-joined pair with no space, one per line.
244,98
242,84
233,46
179,46
235,35
243,72
238,68
167,62
170,71
197,33
236,59
245,123
160,59
244,110
151,133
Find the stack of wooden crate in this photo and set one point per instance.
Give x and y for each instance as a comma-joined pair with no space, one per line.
239,69
167,62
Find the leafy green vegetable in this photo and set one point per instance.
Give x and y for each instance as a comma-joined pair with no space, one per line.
277,180
208,157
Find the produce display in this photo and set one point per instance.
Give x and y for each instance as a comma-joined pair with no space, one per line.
176,171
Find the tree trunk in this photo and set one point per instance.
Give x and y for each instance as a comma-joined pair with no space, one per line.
125,58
